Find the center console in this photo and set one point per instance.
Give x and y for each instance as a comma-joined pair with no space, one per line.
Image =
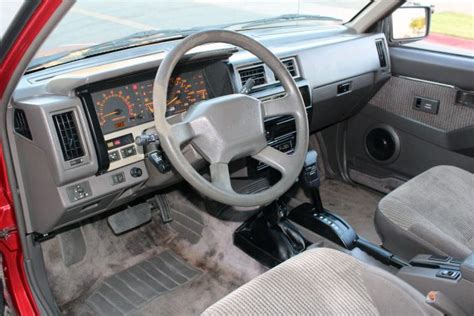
450,276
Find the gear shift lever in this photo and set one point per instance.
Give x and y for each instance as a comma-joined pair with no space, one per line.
311,180
331,226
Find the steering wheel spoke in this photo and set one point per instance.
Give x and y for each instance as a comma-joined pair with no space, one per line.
181,132
278,107
220,176
275,159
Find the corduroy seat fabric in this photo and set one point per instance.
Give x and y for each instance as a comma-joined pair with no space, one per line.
433,213
323,282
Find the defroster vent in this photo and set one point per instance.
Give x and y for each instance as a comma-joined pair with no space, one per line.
68,135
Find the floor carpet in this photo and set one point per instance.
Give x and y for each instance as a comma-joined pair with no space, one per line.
198,239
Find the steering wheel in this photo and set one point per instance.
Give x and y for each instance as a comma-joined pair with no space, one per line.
229,127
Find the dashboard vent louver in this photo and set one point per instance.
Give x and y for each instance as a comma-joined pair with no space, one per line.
20,124
380,44
68,135
290,66
257,73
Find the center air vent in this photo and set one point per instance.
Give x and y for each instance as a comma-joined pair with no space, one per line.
380,44
20,124
290,66
257,73
68,135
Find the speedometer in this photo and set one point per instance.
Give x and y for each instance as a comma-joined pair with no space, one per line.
184,91
114,109
121,107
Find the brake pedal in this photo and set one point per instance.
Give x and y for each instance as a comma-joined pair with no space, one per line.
160,202
130,218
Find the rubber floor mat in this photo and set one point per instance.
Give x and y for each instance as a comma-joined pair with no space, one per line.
129,290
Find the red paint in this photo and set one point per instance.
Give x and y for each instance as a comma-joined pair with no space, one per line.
10,247
451,41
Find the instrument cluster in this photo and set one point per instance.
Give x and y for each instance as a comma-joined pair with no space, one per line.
132,104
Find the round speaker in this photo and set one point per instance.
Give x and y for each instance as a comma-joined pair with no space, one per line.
382,144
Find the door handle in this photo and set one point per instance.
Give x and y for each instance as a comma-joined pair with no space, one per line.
465,98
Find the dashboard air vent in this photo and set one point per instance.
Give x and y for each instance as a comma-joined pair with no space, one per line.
20,124
68,135
257,73
380,44
290,66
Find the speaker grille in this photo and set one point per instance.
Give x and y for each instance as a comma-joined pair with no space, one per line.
381,144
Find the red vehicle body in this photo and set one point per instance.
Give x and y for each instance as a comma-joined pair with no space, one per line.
10,247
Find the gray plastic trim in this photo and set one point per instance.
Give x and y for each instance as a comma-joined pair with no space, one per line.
427,65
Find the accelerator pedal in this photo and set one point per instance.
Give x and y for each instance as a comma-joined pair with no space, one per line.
130,218
160,203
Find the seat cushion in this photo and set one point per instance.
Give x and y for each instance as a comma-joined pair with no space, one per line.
323,281
432,213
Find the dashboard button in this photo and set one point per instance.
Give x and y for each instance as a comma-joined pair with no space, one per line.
114,156
128,151
136,172
118,178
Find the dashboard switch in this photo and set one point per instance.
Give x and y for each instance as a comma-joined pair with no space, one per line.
136,172
114,156
118,178
128,151
79,191
146,139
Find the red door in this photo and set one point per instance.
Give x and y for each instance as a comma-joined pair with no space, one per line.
15,44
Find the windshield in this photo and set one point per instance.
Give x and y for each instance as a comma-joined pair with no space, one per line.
120,24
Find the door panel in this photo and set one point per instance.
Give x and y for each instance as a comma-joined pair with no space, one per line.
398,94
439,67
393,125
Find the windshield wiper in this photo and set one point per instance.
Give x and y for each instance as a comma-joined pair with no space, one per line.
281,19
133,40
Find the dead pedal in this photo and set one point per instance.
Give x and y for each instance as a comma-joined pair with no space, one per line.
160,202
130,218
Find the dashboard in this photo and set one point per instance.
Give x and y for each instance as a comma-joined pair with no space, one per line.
76,123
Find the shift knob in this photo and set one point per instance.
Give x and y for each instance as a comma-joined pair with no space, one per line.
311,158
310,172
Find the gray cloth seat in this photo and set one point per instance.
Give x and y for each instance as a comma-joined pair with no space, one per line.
323,281
432,213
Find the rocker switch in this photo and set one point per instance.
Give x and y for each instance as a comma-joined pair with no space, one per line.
426,105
